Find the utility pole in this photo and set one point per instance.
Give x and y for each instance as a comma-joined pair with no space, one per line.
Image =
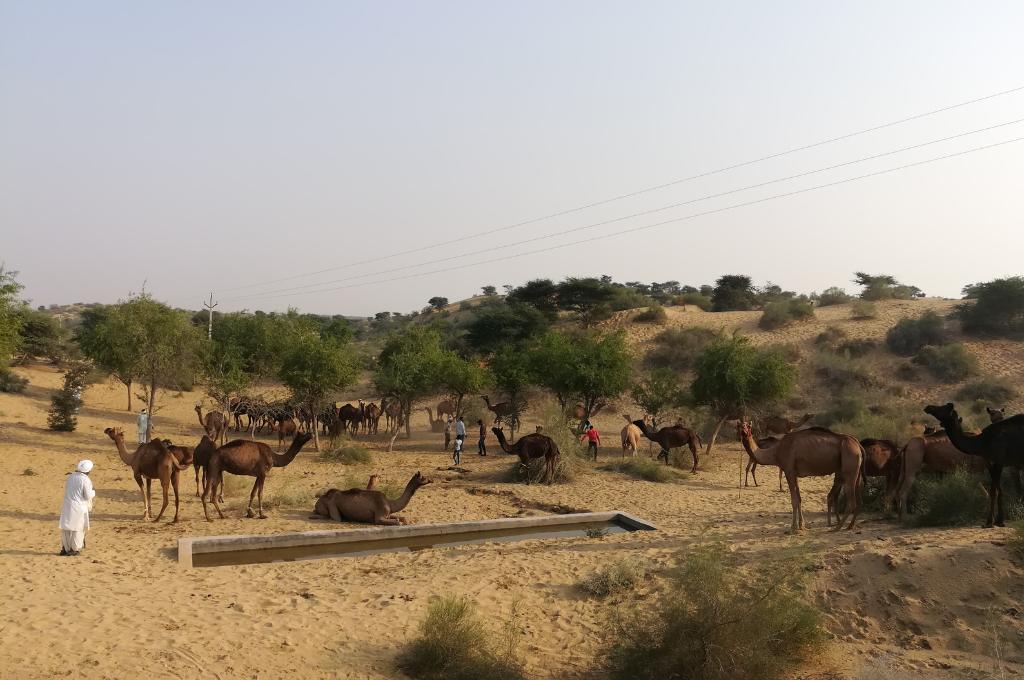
209,317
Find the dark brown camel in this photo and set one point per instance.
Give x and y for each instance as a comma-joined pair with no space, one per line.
500,410
883,458
1001,444
529,447
214,424
151,461
814,452
932,452
200,459
285,430
366,505
248,458
445,407
671,438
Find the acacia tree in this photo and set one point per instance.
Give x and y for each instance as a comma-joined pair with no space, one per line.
313,369
113,341
587,367
10,319
657,392
733,376
459,377
409,367
510,371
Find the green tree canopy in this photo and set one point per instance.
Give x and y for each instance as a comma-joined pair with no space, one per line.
658,391
733,292
541,294
10,318
501,324
998,308
409,367
314,368
884,287
586,367
588,298
461,377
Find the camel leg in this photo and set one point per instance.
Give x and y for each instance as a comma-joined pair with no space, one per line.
693,452
199,494
832,500
252,495
145,501
663,454
174,485
794,497
853,491
550,470
995,496
332,508
780,479
165,482
259,496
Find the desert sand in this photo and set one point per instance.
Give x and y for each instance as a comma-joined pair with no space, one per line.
900,602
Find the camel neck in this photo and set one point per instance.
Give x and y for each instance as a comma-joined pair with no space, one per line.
126,458
281,460
399,503
968,443
762,456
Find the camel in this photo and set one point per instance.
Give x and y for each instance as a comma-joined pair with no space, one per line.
444,408
1000,444
883,458
995,414
630,437
373,414
500,410
214,424
529,447
151,461
200,458
435,425
249,458
781,425
814,452
670,438
392,414
751,469
931,452
366,505
285,428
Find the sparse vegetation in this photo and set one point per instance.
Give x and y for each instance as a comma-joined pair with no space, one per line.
11,382
955,499
678,348
830,338
696,299
840,372
908,336
833,296
29,472
343,450
949,363
595,532
642,468
653,314
885,287
992,391
454,643
862,310
784,312
998,308
716,623
619,576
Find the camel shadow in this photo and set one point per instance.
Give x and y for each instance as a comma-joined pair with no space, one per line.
55,516
27,553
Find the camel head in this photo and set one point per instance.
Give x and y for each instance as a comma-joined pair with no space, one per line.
743,429
944,414
199,408
114,433
302,438
418,480
995,414
372,484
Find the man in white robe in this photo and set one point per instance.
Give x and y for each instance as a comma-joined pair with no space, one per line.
74,515
143,426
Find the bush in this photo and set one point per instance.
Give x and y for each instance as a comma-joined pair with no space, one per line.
991,391
343,450
857,348
830,338
950,363
678,348
455,644
642,468
64,406
653,314
956,499
863,310
784,312
616,577
695,299
998,308
910,335
717,623
570,464
11,382
833,296
907,372
839,372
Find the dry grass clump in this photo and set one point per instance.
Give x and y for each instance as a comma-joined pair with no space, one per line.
454,643
784,312
959,498
908,336
11,382
717,623
653,314
992,391
616,577
278,492
863,310
343,450
643,468
949,363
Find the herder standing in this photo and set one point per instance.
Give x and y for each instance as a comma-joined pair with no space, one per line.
143,426
74,514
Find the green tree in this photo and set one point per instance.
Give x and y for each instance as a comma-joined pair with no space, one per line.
733,292
64,405
41,336
409,367
112,341
489,291
585,367
998,308
588,298
541,294
10,317
501,324
313,369
733,377
884,287
460,377
657,392
438,302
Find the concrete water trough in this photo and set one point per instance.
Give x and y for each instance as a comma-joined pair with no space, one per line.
215,551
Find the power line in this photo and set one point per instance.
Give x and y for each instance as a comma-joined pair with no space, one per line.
663,223
626,217
632,194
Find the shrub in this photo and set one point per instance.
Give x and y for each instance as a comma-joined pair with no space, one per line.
29,472
642,468
716,623
833,296
343,450
857,348
950,363
991,391
455,644
695,299
839,372
653,314
11,382
570,464
830,338
885,287
998,308
1017,542
955,499
863,310
784,312
907,372
910,335
678,348
616,577
64,405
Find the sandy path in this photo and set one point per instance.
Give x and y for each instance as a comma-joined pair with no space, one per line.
126,608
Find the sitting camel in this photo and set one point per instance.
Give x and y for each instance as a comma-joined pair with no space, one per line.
249,458
814,452
529,447
366,505
215,424
630,437
152,461
670,438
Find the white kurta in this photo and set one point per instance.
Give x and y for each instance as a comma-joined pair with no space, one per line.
78,495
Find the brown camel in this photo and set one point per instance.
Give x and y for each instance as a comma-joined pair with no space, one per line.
996,414
814,452
249,458
529,447
883,458
1001,444
214,424
151,461
435,425
373,414
200,459
392,415
286,428
630,437
366,505
445,407
781,425
500,410
928,453
751,469
670,438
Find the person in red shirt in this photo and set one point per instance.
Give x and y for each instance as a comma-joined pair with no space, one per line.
592,437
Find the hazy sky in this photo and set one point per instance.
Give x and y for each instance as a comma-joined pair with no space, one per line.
204,146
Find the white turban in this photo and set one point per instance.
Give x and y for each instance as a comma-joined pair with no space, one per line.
84,466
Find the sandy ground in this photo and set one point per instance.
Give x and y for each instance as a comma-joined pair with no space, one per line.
901,603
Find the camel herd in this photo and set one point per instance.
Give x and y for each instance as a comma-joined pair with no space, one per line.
796,449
